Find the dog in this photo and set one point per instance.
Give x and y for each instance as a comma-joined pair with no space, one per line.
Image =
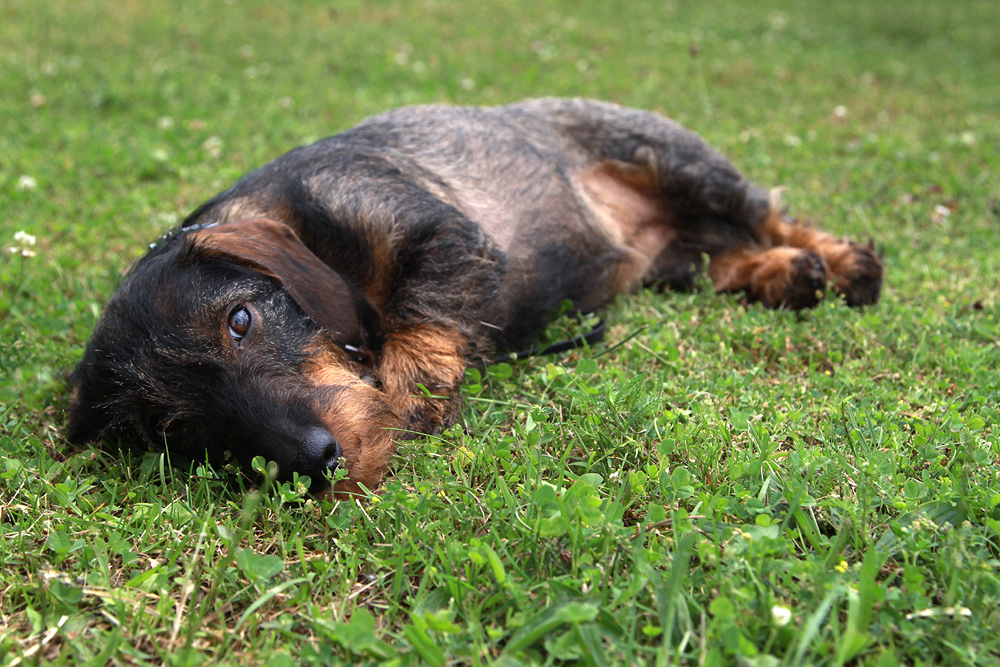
327,304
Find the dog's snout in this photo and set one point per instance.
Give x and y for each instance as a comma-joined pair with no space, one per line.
320,452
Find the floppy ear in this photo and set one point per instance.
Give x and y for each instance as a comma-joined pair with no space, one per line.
273,249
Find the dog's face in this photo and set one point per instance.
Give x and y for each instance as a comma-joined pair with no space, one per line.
236,339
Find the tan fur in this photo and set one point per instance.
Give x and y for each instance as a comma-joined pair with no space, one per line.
844,258
376,290
428,355
358,415
622,198
763,274
256,207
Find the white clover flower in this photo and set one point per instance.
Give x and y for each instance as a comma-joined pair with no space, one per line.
24,237
24,241
941,213
213,145
931,612
26,183
781,615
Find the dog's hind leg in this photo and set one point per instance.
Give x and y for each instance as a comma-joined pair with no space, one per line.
854,270
704,206
799,263
781,277
709,210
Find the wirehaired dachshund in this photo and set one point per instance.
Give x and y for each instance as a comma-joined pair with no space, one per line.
327,304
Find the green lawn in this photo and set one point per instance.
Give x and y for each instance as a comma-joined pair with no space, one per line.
729,486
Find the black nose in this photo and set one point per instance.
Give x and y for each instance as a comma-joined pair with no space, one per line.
319,452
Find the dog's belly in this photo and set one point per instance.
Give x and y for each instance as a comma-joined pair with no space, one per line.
602,228
560,245
532,188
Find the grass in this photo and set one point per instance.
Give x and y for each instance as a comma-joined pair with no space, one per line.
729,486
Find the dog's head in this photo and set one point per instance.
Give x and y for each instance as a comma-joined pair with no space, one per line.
237,340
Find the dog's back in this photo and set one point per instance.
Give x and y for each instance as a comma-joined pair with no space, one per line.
534,177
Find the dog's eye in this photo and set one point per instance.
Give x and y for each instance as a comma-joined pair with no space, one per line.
239,323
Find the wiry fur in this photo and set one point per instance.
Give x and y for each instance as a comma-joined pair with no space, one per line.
450,232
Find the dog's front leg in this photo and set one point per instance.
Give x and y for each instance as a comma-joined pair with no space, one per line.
421,368
430,274
449,273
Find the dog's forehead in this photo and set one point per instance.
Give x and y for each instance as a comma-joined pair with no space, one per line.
201,288
179,284
170,309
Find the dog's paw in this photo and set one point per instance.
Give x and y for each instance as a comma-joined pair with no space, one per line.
427,408
421,370
787,277
858,274
806,283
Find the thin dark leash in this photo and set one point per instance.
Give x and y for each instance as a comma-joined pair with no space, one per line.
589,339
